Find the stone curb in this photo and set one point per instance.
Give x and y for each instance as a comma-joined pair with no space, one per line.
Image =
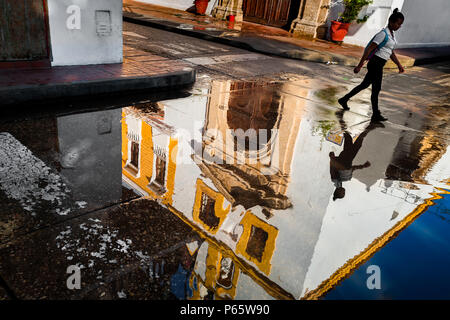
150,22
298,54
20,94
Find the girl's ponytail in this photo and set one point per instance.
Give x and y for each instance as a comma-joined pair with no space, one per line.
396,15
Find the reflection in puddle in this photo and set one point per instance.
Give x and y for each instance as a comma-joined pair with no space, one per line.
266,209
329,95
286,197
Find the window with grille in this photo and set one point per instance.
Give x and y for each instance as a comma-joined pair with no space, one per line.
257,243
225,278
160,170
207,214
135,154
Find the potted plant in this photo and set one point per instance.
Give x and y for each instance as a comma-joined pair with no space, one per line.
201,6
352,8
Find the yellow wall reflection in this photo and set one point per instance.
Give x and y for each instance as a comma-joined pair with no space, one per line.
150,167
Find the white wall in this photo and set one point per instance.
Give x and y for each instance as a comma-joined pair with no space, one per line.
91,155
427,24
85,45
353,223
188,125
379,12
179,4
299,227
440,172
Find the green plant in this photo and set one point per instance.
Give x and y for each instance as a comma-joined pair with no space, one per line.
352,9
322,128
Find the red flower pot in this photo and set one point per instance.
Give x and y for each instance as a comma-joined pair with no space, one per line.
338,30
201,6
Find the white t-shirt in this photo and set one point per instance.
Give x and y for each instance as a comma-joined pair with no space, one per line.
385,52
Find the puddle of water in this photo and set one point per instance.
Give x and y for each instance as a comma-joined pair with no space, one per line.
328,95
288,194
422,247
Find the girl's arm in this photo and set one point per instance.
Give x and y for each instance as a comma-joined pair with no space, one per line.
372,47
397,62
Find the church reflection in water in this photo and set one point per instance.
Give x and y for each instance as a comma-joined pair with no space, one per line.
244,169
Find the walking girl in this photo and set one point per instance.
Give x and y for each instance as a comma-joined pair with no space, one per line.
379,51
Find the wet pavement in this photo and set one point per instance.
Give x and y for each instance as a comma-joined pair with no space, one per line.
240,189
138,71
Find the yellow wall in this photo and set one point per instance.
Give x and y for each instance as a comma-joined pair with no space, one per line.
247,222
146,162
219,211
213,267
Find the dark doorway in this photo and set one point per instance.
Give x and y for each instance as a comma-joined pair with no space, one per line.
24,31
293,13
268,12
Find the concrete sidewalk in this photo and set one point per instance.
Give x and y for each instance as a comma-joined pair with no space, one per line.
264,39
139,71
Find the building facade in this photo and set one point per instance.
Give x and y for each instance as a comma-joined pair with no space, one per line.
60,32
425,25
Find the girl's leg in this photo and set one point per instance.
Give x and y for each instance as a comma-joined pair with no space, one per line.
363,85
376,88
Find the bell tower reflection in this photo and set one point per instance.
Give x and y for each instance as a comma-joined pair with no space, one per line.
248,142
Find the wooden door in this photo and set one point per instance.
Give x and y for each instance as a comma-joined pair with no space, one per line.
267,12
23,30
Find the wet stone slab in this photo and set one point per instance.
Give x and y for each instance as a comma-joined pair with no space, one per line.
131,251
56,168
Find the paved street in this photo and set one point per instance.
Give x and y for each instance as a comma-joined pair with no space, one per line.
225,190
